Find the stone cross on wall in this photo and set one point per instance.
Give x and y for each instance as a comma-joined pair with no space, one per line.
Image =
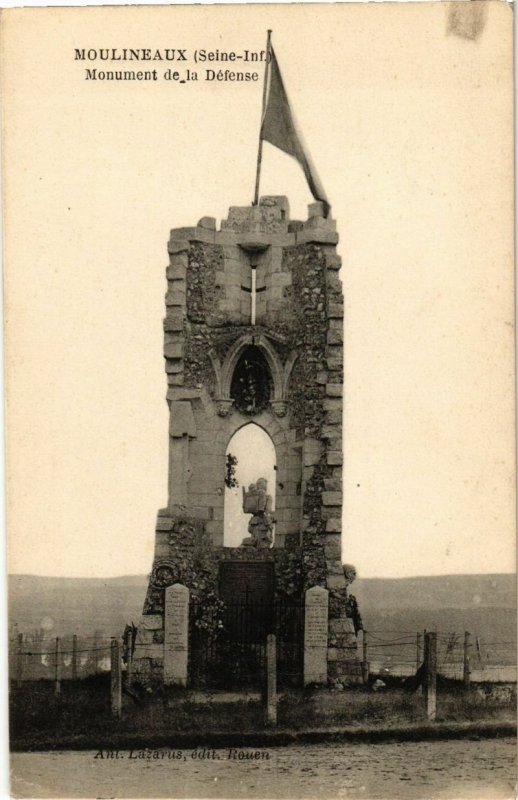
254,289
246,592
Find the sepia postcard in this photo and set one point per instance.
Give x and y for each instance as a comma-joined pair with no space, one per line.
259,370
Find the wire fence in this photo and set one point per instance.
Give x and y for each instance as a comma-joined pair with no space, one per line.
460,656
421,657
35,656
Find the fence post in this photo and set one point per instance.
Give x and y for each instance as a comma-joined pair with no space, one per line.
19,660
418,652
57,668
365,659
129,656
115,680
74,657
96,648
430,677
479,653
425,649
271,680
467,669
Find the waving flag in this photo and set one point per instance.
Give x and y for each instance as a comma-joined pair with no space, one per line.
279,128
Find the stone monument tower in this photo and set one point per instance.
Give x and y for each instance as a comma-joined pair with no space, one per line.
252,334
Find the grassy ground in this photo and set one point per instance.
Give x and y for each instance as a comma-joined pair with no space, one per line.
80,716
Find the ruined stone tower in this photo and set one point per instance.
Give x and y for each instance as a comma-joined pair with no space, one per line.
253,333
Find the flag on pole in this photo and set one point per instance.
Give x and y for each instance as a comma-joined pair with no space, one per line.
279,128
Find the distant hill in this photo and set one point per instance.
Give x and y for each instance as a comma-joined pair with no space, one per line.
436,592
75,605
483,604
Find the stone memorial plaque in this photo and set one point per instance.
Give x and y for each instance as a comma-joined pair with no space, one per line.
315,635
176,634
246,582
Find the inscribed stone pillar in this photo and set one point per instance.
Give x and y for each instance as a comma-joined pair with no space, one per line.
176,632
315,635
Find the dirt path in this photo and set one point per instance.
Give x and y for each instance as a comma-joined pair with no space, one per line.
484,769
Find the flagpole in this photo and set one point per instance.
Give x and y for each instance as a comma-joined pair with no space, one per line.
260,149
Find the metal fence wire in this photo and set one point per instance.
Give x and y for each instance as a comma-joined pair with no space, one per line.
229,650
34,657
460,656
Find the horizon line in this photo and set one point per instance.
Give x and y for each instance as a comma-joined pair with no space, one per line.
358,577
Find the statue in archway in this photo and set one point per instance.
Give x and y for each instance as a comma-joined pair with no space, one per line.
258,502
251,386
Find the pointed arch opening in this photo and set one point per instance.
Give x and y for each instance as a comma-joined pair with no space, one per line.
250,457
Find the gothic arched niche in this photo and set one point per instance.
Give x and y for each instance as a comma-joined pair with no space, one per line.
252,384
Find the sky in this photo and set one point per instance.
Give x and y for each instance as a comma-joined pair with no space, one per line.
410,126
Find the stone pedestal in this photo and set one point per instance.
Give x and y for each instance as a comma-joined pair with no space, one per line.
176,634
